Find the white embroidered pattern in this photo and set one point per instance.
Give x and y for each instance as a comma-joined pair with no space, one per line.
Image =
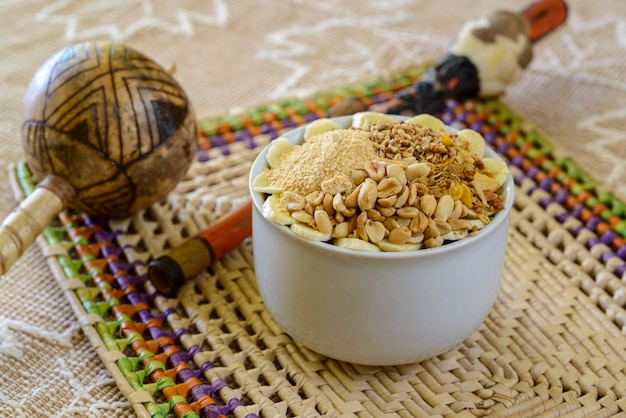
136,16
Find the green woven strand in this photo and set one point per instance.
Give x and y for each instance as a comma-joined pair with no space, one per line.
152,364
25,178
98,308
165,382
135,378
157,410
108,337
176,399
71,268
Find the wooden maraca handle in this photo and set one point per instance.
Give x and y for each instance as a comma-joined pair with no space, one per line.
20,229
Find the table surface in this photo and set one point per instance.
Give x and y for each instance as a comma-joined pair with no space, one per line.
239,54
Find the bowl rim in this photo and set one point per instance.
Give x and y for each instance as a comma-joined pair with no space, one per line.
296,137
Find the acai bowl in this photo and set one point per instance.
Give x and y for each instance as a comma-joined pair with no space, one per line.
369,296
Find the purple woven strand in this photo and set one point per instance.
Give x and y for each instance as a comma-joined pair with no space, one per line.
609,236
289,124
593,222
218,141
216,411
561,196
202,156
108,250
120,266
107,236
126,280
607,255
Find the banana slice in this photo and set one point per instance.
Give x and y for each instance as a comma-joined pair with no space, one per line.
276,148
454,235
477,223
387,246
356,244
309,233
496,168
261,185
427,121
474,140
319,127
273,212
361,118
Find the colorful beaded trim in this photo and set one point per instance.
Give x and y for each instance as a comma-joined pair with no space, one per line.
110,290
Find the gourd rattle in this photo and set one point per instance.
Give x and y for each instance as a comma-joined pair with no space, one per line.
107,132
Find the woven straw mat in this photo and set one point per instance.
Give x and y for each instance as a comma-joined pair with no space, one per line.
553,344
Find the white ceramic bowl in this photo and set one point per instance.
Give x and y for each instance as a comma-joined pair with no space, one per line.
377,308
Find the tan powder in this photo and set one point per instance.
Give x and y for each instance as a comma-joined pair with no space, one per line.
323,162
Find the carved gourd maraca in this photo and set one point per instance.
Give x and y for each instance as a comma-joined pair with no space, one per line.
107,132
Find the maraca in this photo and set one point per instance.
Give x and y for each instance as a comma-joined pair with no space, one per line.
107,132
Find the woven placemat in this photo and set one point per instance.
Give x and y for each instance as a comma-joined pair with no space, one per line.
553,344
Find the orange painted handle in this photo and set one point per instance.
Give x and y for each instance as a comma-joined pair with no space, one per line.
169,272
544,16
228,232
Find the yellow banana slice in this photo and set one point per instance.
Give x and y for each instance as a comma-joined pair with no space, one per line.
261,185
356,244
496,168
273,212
276,148
387,246
309,233
454,235
319,127
474,140
361,118
427,121
477,223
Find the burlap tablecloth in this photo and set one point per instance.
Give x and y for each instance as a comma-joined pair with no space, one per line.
239,54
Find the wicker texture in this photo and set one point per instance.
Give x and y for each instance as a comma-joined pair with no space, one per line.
553,345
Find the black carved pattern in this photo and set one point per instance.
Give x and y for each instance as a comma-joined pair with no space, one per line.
107,105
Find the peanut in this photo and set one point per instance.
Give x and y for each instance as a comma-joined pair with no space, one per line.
386,212
375,230
352,200
315,198
399,236
417,170
358,176
445,206
342,230
302,216
433,242
327,203
428,204
408,212
388,186
396,171
403,197
360,226
388,201
292,201
323,221
375,215
375,170
367,194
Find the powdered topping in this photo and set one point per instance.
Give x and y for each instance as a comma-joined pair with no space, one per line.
324,162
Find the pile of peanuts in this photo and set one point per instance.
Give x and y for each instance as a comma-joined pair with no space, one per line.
425,187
